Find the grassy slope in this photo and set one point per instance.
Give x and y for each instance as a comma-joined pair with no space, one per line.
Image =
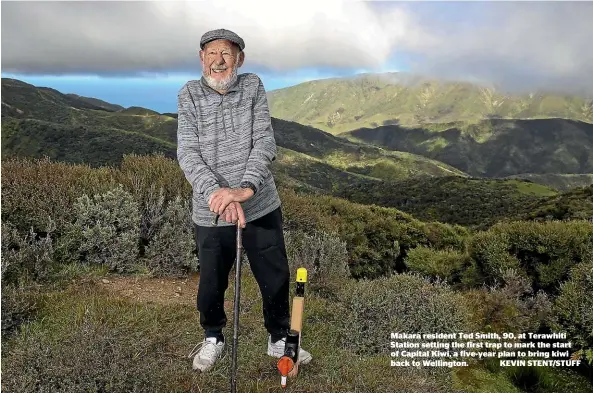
144,346
138,345
356,157
370,100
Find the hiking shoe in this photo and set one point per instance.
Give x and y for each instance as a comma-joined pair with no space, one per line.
208,352
277,350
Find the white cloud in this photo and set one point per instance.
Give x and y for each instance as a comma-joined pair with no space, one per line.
516,44
126,37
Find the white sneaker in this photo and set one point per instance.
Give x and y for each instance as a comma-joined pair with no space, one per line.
208,353
277,350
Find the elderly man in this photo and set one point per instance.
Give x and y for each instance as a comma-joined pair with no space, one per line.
225,146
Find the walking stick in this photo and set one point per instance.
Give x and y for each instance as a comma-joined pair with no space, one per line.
236,308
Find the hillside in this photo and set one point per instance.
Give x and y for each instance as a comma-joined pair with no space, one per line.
116,276
477,203
20,99
371,100
575,204
355,156
160,131
96,146
97,102
309,160
561,182
495,147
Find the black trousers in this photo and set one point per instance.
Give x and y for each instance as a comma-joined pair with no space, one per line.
263,242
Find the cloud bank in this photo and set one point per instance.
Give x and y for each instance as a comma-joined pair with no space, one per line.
516,45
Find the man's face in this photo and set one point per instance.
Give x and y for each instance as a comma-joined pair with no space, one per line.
220,62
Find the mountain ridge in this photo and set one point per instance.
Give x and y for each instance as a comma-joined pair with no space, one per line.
338,105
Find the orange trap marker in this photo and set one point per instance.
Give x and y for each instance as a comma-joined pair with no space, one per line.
288,365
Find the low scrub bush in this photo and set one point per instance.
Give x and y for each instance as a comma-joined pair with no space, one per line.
370,310
542,251
377,238
105,231
26,257
446,265
170,252
141,175
573,309
35,189
323,254
509,306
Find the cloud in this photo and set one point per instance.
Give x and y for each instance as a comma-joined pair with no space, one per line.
518,45
515,45
120,37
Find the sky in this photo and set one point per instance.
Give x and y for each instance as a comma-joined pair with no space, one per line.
141,53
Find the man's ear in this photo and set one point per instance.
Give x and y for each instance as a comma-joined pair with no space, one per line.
241,58
201,55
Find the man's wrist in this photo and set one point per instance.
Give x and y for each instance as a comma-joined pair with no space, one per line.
248,184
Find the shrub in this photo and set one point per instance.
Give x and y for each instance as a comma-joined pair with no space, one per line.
171,249
446,265
544,252
573,308
509,306
106,230
33,189
377,238
19,306
370,310
141,175
27,257
446,236
491,252
323,254
152,214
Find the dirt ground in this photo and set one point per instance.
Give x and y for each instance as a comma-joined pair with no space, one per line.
167,291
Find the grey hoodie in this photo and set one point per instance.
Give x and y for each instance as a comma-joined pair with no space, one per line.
224,139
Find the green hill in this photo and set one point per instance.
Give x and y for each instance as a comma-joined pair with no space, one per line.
97,102
575,204
561,182
20,99
29,102
477,203
371,100
356,157
495,147
136,110
76,144
309,160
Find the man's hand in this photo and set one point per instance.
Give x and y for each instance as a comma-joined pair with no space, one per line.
234,212
221,198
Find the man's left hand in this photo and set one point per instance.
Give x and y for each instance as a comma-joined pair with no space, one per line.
221,198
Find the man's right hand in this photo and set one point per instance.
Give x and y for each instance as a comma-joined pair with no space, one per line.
234,212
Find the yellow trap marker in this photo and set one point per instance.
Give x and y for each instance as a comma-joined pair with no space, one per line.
288,365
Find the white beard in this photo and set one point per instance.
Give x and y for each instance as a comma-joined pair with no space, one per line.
225,83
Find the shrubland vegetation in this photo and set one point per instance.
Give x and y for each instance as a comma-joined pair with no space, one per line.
373,270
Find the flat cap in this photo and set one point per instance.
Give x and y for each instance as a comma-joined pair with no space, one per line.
222,34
